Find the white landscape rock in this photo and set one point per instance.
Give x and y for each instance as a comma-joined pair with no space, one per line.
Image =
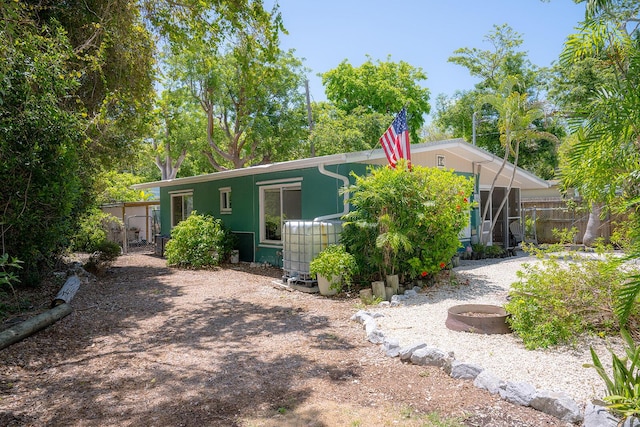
497,363
520,393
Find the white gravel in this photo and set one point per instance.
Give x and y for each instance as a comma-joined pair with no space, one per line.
421,319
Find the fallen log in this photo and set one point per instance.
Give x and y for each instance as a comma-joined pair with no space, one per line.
67,292
33,325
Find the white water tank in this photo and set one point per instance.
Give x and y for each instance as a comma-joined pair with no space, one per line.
302,241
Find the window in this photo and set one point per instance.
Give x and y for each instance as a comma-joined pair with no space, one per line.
225,200
278,203
181,207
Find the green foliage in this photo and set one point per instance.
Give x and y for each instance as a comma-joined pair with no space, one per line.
8,277
105,252
199,241
406,221
336,131
623,386
39,144
115,186
503,62
76,80
556,299
92,231
336,265
380,87
248,89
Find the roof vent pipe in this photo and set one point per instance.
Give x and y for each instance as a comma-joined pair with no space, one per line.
345,180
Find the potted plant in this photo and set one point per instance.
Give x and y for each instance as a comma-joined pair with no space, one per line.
333,267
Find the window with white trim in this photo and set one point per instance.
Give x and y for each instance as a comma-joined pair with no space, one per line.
278,203
225,200
181,207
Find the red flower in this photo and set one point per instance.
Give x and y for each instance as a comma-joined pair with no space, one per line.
458,207
466,200
424,274
442,265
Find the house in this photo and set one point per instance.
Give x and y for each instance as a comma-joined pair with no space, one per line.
255,202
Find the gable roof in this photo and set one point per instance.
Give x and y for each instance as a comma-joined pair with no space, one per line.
458,155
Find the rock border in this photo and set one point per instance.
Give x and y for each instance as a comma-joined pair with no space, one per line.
556,404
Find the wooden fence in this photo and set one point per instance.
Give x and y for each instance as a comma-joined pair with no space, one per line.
551,214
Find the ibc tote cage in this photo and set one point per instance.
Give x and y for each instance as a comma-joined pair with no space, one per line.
302,242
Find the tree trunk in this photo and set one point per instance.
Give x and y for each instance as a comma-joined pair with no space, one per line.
33,325
592,231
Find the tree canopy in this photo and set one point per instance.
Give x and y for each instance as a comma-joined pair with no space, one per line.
502,62
380,87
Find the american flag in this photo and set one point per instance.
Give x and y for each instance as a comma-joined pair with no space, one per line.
395,141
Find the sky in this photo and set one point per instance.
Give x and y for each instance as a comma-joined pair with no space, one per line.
423,33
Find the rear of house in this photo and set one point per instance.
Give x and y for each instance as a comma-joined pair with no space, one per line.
256,202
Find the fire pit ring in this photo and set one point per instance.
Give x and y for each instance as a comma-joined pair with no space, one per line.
478,318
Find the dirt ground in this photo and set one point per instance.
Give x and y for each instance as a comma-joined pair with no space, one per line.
148,345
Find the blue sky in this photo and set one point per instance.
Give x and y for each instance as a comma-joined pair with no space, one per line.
423,33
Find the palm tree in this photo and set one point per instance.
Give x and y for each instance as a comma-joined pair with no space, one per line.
608,130
515,123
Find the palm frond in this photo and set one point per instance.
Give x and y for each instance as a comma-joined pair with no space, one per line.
626,298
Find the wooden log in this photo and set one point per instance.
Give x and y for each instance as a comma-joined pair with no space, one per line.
67,292
33,325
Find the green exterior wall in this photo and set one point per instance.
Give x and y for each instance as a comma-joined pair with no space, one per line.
320,197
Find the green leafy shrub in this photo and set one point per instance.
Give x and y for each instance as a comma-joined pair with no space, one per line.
623,387
8,278
41,144
406,222
199,241
558,299
336,265
91,234
104,254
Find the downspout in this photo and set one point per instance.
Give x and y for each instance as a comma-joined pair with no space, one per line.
344,179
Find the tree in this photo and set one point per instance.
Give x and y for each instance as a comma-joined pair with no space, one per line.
503,61
607,127
77,78
113,58
336,131
180,129
380,87
249,91
516,114
40,141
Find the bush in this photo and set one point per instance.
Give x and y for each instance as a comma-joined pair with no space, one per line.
199,241
105,253
8,278
92,234
406,222
336,265
557,300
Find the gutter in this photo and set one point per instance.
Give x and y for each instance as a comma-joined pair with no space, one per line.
345,180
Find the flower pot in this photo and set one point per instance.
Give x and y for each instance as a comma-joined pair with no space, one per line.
324,286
